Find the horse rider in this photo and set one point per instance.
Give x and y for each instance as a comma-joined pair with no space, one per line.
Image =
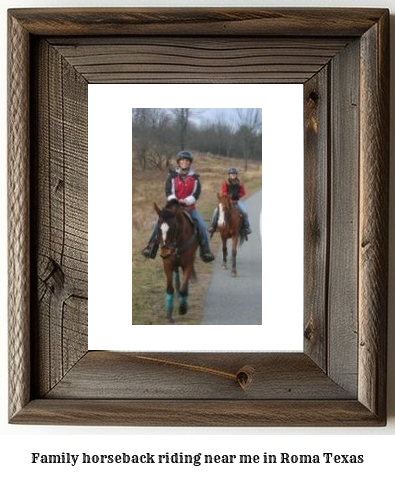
235,190
184,185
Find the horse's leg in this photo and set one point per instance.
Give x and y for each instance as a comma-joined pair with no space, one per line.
234,254
169,295
224,254
177,280
183,309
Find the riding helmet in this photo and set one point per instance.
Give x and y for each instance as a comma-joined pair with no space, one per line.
185,155
232,171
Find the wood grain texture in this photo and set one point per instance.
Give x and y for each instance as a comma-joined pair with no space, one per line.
18,218
331,22
202,413
186,60
316,215
61,226
344,217
340,377
373,234
204,375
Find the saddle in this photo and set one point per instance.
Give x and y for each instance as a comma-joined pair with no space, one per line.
193,222
188,216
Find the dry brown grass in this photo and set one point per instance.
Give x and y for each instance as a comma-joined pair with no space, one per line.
148,278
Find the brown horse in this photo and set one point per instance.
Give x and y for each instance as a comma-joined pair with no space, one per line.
178,242
230,226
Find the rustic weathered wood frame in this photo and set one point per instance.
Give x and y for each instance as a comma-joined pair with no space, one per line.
341,56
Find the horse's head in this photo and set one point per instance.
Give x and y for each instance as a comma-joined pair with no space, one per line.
224,207
225,201
168,227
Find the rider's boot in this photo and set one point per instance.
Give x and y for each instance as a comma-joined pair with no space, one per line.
246,224
213,223
212,228
150,250
205,254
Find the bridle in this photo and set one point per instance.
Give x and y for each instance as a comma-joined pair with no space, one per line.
174,248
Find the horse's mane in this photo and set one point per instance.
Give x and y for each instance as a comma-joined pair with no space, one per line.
170,209
225,200
171,203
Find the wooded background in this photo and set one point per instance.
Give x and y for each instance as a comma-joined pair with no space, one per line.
159,132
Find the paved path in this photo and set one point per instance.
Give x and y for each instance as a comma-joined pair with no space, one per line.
238,300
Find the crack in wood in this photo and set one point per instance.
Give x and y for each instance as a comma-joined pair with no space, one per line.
243,376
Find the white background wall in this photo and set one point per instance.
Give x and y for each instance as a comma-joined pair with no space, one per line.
20,441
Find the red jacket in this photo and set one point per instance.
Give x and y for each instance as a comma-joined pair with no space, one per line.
235,190
183,187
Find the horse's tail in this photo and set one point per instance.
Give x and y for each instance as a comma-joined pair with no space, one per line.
242,235
194,276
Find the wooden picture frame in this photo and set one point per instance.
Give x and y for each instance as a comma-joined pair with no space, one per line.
342,58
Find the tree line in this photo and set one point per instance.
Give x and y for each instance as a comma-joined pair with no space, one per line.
158,133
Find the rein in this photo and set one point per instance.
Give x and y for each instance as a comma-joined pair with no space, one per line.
179,250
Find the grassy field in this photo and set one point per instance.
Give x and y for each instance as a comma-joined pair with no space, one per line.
148,278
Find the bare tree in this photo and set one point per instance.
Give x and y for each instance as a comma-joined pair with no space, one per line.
225,130
182,117
151,146
250,125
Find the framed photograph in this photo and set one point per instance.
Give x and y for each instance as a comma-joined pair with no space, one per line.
341,59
